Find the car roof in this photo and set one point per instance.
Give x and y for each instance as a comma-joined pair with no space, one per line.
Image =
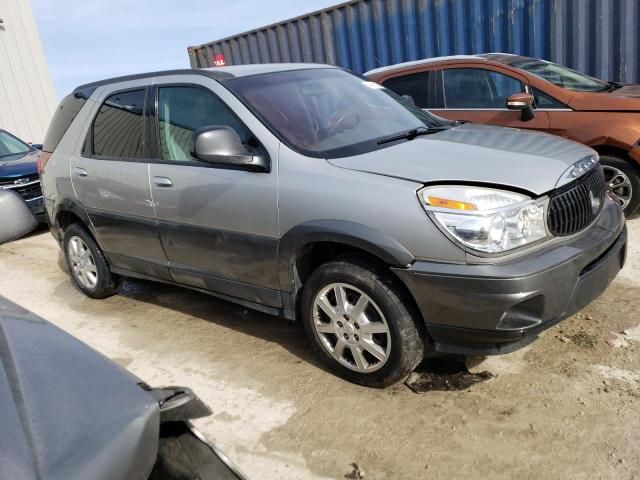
217,73
424,61
504,58
498,57
259,68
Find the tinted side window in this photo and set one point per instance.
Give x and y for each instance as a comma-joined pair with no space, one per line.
545,101
181,110
118,129
416,85
63,117
478,88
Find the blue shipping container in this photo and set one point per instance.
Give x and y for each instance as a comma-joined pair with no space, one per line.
599,37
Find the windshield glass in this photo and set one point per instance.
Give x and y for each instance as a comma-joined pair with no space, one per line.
10,145
561,76
329,112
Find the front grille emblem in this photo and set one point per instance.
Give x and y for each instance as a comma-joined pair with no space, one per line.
21,181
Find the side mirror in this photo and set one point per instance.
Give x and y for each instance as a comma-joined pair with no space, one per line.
221,145
524,103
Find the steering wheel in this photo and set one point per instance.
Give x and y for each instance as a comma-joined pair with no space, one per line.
337,118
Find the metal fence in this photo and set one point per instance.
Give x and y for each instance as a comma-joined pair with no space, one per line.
600,37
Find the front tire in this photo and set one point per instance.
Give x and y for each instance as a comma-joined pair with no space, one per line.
623,181
361,323
88,267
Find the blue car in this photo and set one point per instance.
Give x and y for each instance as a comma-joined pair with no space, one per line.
19,172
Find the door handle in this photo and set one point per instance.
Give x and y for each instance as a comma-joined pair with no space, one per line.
162,182
80,172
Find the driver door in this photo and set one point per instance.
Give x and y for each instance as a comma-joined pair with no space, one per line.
218,224
479,95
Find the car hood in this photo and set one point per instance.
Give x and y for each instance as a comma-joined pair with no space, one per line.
625,99
67,412
475,153
19,166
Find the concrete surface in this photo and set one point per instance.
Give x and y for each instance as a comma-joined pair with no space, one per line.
565,407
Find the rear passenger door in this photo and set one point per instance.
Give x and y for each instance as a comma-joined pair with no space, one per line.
111,180
218,224
480,95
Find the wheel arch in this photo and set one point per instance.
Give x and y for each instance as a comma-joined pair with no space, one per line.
68,212
306,246
618,152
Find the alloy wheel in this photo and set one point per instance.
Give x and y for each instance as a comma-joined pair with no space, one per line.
618,184
351,327
83,265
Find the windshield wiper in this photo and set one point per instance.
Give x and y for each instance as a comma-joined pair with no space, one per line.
411,134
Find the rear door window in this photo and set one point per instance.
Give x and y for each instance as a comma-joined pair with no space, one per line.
477,88
118,129
63,118
416,85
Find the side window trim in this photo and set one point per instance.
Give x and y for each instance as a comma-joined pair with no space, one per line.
88,147
523,86
154,128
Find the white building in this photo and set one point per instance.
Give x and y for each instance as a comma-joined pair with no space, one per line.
27,99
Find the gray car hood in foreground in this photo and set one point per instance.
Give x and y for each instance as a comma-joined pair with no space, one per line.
522,159
67,412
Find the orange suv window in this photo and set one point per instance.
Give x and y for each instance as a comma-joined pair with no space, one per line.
477,88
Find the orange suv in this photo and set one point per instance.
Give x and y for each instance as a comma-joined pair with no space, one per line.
522,92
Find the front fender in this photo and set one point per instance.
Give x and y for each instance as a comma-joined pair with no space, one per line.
343,232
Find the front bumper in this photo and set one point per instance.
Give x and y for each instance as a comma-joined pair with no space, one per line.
497,308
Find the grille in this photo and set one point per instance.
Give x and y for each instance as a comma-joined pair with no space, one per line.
576,205
29,190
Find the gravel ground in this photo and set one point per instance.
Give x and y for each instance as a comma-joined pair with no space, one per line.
564,407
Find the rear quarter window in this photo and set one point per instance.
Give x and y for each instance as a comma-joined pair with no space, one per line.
63,117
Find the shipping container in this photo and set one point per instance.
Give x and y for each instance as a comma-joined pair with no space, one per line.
599,37
27,100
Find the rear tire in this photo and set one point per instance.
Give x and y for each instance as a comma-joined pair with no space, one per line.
376,339
623,181
88,267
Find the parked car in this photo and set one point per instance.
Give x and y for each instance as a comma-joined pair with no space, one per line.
19,172
70,413
516,91
307,192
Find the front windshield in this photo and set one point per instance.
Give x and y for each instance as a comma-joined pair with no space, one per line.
10,145
329,112
561,76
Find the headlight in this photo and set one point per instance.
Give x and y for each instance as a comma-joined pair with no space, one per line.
485,219
578,169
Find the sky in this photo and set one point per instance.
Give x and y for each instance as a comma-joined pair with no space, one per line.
87,40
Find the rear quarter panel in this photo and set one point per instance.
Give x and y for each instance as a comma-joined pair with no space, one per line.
56,183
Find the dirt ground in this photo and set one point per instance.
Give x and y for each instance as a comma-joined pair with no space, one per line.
566,407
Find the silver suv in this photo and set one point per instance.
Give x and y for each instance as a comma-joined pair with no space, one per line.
307,192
